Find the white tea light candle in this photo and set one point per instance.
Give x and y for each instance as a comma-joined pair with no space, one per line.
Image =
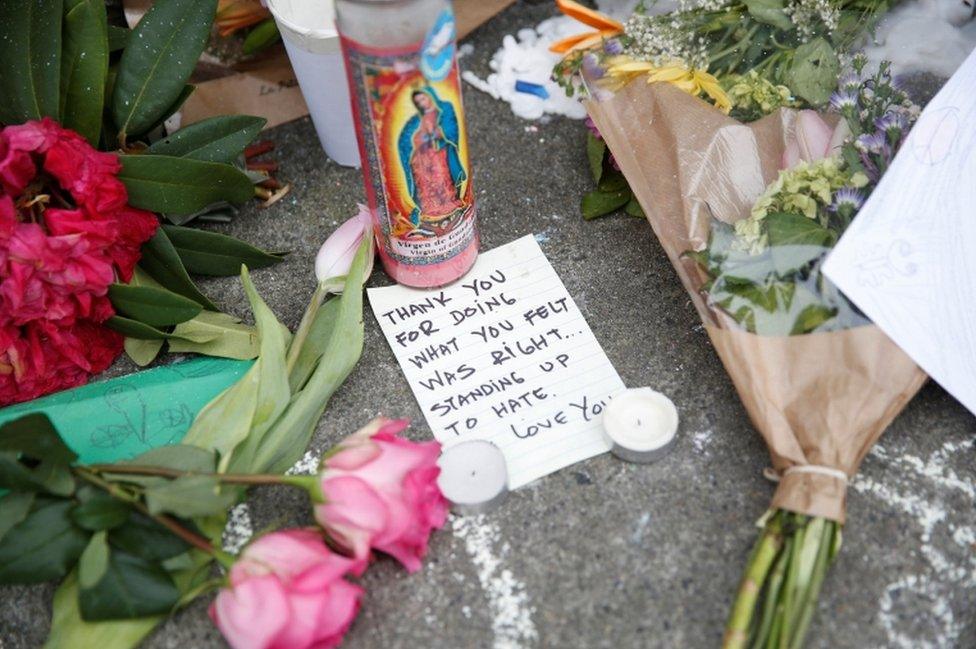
641,423
474,476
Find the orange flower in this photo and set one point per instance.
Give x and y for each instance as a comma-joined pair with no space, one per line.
606,27
238,14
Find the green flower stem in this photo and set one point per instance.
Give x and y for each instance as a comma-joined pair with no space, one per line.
771,599
740,620
304,326
813,589
117,491
306,482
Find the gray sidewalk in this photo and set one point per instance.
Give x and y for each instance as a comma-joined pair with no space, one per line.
604,553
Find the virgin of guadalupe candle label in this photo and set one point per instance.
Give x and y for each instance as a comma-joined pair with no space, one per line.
504,355
416,149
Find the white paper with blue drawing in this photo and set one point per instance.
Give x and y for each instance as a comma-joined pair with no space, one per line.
909,259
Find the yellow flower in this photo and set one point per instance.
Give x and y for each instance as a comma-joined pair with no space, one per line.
621,70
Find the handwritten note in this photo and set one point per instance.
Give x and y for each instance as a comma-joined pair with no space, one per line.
505,355
909,259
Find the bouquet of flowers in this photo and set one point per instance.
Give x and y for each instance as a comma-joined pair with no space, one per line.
85,167
747,213
748,57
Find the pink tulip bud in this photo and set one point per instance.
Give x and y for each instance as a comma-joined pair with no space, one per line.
335,256
810,142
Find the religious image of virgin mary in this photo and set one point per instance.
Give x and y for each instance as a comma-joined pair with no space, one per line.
428,147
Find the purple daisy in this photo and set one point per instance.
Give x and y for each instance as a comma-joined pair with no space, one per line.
847,200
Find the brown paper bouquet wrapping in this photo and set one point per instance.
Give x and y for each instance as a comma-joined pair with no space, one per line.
820,400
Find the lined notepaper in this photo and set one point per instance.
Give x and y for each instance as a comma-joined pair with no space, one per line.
505,355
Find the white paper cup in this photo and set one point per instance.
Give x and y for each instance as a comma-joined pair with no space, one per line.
307,27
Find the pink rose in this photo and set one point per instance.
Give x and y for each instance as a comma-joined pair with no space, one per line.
380,491
287,592
811,140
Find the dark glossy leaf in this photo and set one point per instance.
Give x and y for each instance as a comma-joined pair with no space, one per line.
217,139
181,185
84,67
162,262
599,203
93,562
263,35
33,456
154,306
43,546
184,95
135,329
189,496
30,53
13,509
211,253
100,512
144,537
595,151
118,37
159,58
130,587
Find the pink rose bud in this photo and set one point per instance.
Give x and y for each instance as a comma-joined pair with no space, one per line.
380,491
287,591
335,256
810,142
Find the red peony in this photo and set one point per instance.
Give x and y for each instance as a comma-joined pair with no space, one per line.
66,233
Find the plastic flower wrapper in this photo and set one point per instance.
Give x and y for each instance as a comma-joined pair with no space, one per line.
747,239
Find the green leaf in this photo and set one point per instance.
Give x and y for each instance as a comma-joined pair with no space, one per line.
118,37
318,337
94,561
101,512
195,495
43,546
769,12
285,443
153,306
141,351
789,229
13,509
159,58
33,457
144,537
211,253
811,317
69,631
217,139
181,185
263,35
595,151
813,73
161,261
131,587
215,334
634,209
599,203
241,415
84,67
30,52
613,181
135,329
178,456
